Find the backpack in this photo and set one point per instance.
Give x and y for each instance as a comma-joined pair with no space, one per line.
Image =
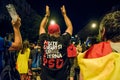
9,72
36,61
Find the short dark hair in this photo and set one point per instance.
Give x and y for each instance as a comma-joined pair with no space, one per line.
111,23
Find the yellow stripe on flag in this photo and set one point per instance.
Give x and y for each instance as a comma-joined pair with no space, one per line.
102,68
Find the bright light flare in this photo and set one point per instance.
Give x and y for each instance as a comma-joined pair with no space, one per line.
52,22
93,25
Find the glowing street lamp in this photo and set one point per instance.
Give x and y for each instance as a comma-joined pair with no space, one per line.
94,25
52,22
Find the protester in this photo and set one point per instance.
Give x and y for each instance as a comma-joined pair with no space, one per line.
74,70
102,61
54,48
16,44
35,61
22,60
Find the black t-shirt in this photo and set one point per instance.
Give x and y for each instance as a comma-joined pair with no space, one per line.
55,64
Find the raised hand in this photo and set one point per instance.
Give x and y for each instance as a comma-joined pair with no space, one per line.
47,11
16,23
63,10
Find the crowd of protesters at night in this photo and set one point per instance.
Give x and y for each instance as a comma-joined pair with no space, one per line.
64,56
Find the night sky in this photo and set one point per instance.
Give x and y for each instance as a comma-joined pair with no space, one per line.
81,12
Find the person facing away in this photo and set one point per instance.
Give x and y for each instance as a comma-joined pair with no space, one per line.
22,60
105,62
35,61
55,64
16,44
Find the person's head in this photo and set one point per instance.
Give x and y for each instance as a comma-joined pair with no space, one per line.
110,27
32,45
25,46
54,30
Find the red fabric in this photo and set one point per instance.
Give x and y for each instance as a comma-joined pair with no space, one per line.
71,51
98,50
53,28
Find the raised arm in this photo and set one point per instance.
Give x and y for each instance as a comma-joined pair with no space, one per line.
44,21
17,44
67,21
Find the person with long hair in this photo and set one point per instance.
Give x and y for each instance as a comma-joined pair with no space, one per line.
22,60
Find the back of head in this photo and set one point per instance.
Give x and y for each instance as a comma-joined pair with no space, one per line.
53,28
111,24
25,46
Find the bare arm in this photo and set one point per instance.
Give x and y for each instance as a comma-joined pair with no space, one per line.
67,21
17,44
44,21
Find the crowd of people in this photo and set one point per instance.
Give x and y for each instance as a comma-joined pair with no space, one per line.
50,58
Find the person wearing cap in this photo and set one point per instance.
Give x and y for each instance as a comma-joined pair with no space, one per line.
55,63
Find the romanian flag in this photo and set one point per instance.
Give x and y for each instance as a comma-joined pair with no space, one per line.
102,66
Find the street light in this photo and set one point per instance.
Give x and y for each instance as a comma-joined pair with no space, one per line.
93,25
52,22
